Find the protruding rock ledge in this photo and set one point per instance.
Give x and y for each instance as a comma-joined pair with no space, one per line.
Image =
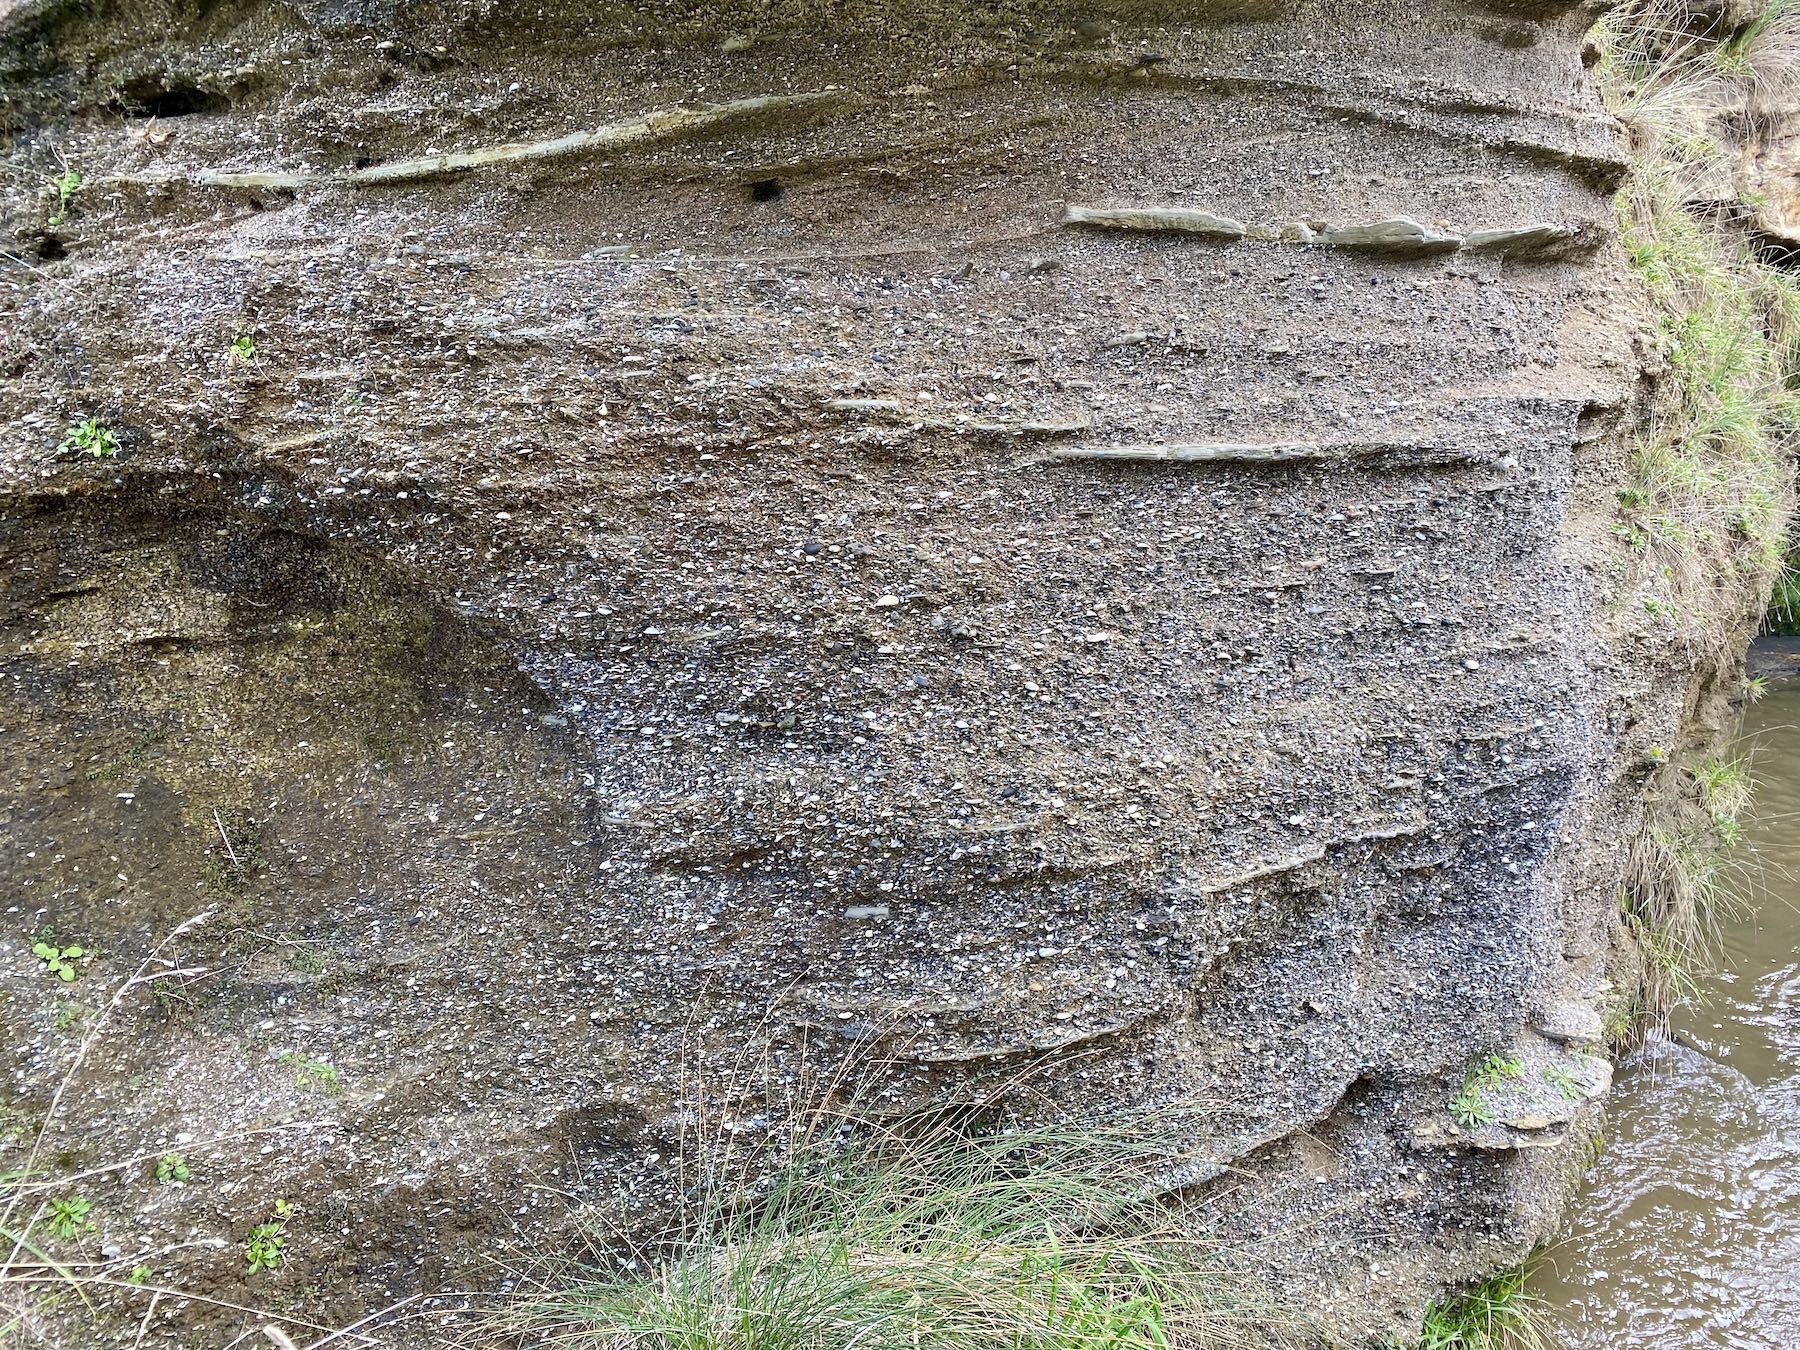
1157,220
1397,235
1528,1098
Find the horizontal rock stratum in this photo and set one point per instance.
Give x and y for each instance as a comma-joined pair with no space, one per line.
740,535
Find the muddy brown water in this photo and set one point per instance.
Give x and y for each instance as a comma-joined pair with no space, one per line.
1688,1231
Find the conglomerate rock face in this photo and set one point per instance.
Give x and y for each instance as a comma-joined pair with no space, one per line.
944,535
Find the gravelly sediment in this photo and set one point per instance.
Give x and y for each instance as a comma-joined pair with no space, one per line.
779,581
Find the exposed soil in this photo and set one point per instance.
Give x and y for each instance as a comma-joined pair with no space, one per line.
760,588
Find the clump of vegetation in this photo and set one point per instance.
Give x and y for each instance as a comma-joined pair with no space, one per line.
1496,1069
1783,616
171,1168
315,1074
1668,964
65,185
233,862
243,347
59,961
1713,470
1567,1086
132,761
68,1217
933,1232
1624,1012
1469,1107
1727,793
265,1247
89,437
1498,1314
305,959
1677,883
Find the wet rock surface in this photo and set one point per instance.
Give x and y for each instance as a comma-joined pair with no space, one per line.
767,578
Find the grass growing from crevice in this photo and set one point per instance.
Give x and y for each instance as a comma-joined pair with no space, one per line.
1783,617
1680,878
1677,885
940,1230
1498,1314
1726,792
1683,874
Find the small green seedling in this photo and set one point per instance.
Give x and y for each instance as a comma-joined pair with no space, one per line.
59,961
243,348
132,761
1467,1108
267,1242
69,1216
139,1275
1496,1068
172,1167
1469,1111
313,1073
263,1248
65,184
89,437
306,961
1567,1085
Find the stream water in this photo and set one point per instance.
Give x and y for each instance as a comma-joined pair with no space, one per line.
1688,1232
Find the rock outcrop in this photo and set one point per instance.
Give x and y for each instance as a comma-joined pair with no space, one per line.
942,535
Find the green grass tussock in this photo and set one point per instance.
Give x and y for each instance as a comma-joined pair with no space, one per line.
1784,601
856,1235
1727,791
1713,475
1712,485
1683,874
1497,1314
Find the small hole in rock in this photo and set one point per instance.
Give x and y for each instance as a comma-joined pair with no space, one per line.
50,248
156,98
765,189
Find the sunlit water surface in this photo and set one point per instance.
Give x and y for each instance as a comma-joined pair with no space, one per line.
1688,1232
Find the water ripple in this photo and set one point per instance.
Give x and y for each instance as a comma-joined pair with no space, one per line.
1687,1236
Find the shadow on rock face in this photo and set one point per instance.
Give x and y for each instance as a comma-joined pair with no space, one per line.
210,713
